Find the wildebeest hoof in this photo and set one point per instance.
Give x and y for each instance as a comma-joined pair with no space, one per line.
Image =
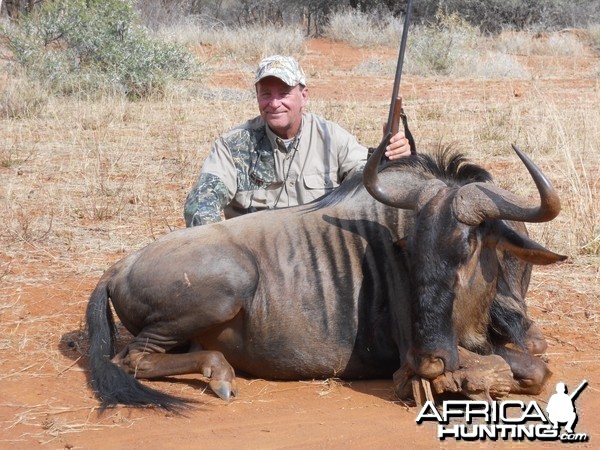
224,389
479,377
535,341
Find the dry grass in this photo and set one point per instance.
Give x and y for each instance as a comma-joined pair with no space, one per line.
105,167
248,43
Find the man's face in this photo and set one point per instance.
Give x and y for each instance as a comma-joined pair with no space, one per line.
281,105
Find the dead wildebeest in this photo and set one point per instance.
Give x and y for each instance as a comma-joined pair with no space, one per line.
389,276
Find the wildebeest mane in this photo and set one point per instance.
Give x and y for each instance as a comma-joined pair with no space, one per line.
446,165
451,167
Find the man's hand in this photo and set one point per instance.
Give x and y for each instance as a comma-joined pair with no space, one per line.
399,146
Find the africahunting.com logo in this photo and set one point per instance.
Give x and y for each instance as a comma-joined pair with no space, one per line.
507,420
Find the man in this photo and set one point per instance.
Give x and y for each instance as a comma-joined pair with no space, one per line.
284,157
561,408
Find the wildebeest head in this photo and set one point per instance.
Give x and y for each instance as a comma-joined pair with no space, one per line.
460,232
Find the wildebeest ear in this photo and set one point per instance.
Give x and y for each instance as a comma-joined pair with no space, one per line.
525,248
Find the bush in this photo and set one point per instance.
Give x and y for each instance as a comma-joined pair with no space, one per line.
363,29
243,43
493,16
439,49
83,46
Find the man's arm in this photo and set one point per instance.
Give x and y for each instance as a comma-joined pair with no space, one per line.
214,190
205,201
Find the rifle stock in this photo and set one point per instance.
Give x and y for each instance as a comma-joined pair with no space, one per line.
397,111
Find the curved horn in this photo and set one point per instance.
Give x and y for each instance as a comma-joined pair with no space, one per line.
477,202
371,171
407,190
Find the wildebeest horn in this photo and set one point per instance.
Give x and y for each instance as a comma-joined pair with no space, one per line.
477,202
407,191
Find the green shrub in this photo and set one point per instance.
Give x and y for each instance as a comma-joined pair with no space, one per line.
438,49
85,46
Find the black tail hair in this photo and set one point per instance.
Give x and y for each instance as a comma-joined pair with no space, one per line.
112,384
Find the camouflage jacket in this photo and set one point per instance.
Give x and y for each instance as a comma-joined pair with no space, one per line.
249,168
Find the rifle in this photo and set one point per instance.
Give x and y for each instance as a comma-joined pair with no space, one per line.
396,111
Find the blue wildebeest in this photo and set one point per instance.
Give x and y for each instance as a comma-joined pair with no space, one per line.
391,273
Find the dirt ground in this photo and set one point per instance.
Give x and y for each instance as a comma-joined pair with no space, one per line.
45,398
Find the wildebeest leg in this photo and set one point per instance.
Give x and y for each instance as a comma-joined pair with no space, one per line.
211,364
480,377
530,372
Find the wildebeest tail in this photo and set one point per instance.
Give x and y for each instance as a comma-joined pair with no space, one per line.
112,384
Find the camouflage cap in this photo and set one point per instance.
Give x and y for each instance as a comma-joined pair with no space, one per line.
285,68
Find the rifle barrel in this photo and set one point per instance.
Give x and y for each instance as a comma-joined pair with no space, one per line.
399,65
